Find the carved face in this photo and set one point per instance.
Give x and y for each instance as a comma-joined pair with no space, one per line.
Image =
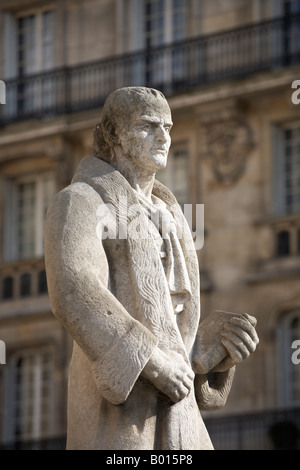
145,139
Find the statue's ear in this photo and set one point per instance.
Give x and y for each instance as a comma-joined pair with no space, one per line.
101,146
110,132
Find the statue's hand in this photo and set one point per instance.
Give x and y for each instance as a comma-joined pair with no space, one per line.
240,339
169,373
223,340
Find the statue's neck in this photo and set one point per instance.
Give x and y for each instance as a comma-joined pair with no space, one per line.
139,179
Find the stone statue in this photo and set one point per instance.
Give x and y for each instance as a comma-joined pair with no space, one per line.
142,366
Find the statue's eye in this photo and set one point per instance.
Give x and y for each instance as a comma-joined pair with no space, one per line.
145,127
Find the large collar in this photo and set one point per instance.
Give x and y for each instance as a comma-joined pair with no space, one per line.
101,173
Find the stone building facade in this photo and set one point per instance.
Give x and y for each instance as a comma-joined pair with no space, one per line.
227,69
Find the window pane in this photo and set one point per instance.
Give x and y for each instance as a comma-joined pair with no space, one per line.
35,54
291,168
36,42
283,243
180,176
293,6
25,285
32,394
154,22
42,287
179,20
46,192
8,285
47,40
26,219
25,210
27,47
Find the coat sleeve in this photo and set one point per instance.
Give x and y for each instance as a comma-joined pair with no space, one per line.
116,345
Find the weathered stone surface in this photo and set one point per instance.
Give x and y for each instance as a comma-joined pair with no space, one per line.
123,279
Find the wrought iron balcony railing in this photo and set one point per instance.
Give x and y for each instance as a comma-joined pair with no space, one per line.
265,430
178,67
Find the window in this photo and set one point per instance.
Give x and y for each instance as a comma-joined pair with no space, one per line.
35,43
23,280
8,287
286,233
42,282
26,205
25,284
29,50
176,175
153,25
287,170
283,243
292,169
289,373
291,6
35,47
165,21
29,397
292,41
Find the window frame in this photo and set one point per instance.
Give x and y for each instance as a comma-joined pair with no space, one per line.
12,391
280,207
11,250
168,29
38,14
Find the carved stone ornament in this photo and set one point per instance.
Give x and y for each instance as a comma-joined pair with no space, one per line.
229,140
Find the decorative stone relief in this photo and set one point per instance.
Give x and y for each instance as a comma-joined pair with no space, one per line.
229,141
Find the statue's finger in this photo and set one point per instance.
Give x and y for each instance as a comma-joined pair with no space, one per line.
183,391
234,352
243,343
191,375
188,383
245,326
250,318
236,335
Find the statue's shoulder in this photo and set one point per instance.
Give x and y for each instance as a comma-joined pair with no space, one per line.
77,198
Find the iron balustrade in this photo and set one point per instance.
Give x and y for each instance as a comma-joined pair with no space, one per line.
265,430
173,68
260,430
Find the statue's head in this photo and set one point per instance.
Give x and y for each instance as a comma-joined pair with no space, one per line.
125,116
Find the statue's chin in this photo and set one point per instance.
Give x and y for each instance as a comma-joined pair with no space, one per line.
160,161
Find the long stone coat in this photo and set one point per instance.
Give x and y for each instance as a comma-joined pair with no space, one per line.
113,298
